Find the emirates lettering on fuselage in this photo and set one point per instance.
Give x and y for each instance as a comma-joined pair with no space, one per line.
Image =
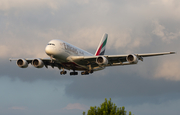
72,49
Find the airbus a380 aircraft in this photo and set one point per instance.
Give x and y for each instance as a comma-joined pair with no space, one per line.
66,56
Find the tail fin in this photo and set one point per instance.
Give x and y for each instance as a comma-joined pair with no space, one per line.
102,45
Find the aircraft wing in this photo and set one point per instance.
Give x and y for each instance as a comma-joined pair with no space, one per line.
122,59
85,61
155,54
46,61
113,60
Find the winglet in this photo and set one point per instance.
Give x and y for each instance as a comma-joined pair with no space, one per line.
102,45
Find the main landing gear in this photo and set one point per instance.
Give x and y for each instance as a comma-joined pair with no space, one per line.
71,73
74,73
86,72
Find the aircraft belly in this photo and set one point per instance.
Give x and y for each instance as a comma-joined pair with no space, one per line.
73,66
62,57
93,66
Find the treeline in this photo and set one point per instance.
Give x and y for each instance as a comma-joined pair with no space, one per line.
107,108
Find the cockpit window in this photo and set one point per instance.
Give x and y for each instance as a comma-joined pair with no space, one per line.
51,44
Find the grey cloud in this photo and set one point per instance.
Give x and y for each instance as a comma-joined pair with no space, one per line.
123,86
39,97
170,107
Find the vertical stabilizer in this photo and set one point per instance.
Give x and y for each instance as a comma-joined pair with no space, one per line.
102,45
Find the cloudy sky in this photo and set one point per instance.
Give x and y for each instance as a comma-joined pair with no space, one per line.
141,26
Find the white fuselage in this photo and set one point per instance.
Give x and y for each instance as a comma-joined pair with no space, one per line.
59,50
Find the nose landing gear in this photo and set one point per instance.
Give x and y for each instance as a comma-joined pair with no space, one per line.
63,72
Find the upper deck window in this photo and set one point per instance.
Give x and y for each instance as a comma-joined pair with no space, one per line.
51,44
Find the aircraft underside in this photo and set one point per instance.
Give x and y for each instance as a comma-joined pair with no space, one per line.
73,66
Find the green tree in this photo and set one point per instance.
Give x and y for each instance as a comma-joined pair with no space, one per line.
107,108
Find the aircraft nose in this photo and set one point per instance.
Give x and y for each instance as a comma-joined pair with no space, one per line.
49,50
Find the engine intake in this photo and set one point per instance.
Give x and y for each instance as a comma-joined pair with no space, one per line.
37,63
101,60
132,59
22,63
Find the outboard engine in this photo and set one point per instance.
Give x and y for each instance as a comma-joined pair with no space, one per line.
22,63
132,59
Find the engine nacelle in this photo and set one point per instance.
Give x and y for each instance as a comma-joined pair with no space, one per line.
132,59
37,63
22,63
101,60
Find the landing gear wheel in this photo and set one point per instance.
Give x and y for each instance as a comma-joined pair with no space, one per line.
91,71
73,73
84,73
63,72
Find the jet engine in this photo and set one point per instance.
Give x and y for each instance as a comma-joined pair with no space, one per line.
132,59
37,63
101,60
22,63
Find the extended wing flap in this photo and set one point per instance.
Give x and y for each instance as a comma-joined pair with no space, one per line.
84,60
116,58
